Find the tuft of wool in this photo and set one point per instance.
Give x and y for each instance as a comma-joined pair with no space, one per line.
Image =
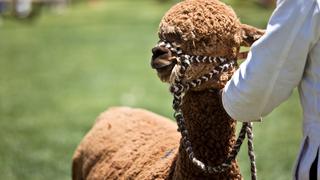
202,27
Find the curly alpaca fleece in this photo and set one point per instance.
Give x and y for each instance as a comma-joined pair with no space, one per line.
130,143
127,143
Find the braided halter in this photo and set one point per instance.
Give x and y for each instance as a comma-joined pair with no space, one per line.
179,88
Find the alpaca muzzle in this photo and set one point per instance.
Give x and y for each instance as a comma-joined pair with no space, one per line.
162,58
168,58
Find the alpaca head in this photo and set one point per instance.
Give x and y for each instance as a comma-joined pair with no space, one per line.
201,28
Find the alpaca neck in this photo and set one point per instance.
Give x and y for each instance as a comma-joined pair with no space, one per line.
212,134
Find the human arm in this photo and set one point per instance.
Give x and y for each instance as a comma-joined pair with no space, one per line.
275,64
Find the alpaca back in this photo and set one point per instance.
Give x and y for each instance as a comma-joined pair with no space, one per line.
127,143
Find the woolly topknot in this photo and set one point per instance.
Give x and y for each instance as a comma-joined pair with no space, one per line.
202,27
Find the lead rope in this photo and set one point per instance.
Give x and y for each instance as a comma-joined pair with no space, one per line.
179,88
251,152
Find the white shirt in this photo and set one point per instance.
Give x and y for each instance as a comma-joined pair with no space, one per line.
287,56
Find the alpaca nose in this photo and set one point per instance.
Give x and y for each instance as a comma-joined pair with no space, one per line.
161,57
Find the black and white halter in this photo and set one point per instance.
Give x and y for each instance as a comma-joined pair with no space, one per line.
178,88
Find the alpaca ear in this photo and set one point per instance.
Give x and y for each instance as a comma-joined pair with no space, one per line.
250,34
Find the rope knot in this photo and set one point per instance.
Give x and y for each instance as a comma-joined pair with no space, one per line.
176,88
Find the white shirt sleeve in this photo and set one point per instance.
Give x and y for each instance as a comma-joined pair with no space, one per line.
275,64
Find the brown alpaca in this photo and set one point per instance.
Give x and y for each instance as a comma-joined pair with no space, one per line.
135,144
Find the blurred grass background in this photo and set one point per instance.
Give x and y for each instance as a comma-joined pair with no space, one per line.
58,72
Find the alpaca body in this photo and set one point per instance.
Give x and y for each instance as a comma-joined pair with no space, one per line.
137,144
127,143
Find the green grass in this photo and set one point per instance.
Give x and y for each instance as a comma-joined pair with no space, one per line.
60,71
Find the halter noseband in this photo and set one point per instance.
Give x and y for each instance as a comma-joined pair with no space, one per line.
178,88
